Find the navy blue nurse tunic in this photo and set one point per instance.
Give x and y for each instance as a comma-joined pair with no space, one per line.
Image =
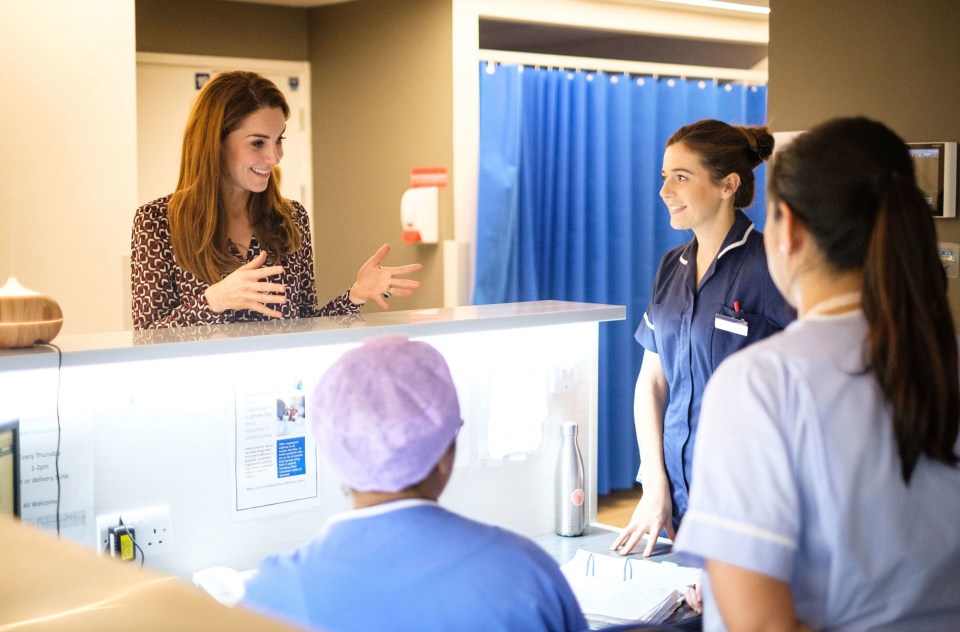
694,329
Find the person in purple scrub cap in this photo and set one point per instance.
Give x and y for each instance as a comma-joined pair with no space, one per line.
386,417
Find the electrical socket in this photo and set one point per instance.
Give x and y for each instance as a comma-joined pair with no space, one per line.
152,526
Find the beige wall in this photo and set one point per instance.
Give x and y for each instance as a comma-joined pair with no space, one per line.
383,103
221,29
68,120
893,61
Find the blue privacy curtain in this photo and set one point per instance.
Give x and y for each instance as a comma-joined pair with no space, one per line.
569,206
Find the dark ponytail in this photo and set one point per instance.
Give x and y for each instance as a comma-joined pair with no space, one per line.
851,184
913,351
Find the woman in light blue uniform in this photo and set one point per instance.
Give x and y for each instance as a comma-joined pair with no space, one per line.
711,297
826,492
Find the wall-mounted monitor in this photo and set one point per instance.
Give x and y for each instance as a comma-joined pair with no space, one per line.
935,165
10,468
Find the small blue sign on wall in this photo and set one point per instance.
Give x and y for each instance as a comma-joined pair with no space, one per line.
294,83
291,457
200,79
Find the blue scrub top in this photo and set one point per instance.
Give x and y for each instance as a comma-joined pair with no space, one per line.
681,326
412,565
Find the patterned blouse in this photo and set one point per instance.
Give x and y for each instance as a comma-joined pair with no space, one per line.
166,295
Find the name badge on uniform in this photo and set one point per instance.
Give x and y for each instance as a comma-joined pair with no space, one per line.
733,325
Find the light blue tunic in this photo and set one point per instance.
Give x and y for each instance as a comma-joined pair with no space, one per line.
411,565
797,476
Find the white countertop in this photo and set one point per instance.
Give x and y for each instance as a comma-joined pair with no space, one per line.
124,346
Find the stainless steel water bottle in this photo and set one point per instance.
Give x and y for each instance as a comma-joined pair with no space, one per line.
571,510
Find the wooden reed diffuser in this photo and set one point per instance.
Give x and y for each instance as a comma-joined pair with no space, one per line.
27,317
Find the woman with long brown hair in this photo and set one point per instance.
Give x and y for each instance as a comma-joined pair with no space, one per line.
826,491
226,246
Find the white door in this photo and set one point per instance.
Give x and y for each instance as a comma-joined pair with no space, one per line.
166,88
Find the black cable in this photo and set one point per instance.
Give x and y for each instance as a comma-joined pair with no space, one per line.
56,457
142,556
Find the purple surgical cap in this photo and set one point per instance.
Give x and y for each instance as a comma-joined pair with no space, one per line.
385,413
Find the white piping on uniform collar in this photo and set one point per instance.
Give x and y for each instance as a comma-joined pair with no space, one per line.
376,510
382,508
737,244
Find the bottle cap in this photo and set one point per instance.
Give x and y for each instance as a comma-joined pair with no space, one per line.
569,428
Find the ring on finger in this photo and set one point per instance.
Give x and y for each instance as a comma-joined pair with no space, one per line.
386,294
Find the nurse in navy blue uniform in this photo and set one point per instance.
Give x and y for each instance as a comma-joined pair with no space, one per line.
711,297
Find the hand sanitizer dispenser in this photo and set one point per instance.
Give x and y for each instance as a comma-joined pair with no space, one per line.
419,215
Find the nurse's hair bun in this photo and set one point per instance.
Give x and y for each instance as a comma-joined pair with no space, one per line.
761,142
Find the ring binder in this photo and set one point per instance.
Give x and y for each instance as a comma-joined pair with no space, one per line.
617,589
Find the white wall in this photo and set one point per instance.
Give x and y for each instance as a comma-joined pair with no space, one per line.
68,122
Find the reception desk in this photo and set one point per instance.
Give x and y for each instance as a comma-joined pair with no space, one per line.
197,434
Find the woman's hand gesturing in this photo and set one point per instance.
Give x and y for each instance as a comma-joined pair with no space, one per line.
378,283
244,289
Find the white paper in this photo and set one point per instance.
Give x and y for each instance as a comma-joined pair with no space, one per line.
38,476
628,589
274,452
